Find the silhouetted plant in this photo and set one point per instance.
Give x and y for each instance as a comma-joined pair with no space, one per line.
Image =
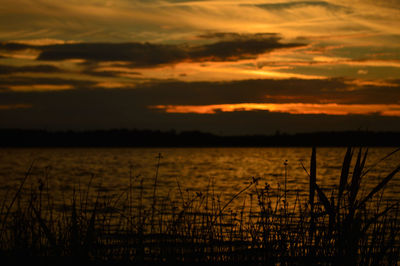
340,227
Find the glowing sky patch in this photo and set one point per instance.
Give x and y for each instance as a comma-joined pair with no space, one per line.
111,85
291,108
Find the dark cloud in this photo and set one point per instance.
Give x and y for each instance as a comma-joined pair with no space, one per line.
300,4
172,1
237,36
7,69
7,82
181,1
12,46
238,47
90,71
265,91
199,93
230,47
139,54
156,92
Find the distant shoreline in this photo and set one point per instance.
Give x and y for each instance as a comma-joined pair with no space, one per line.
120,138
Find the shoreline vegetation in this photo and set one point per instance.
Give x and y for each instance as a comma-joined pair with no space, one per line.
152,138
345,225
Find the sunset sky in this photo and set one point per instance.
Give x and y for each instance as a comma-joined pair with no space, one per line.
221,66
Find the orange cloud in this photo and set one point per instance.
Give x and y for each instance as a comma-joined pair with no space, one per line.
14,106
40,42
291,108
376,83
40,87
30,54
323,60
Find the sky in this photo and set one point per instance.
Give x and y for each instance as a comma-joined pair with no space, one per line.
222,66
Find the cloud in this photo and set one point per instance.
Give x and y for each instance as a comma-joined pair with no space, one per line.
7,69
315,91
22,84
14,106
93,71
40,87
158,92
302,4
41,42
234,47
230,47
322,61
18,50
175,92
14,46
237,36
122,20
138,54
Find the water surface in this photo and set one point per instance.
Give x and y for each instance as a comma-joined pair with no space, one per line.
224,170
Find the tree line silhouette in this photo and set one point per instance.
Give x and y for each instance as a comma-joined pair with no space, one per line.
156,138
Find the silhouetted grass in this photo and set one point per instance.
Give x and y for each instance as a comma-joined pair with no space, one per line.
341,226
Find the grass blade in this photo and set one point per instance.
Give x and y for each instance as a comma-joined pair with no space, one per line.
344,174
363,162
44,227
15,197
313,176
382,159
355,180
90,233
324,199
380,185
377,216
75,242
